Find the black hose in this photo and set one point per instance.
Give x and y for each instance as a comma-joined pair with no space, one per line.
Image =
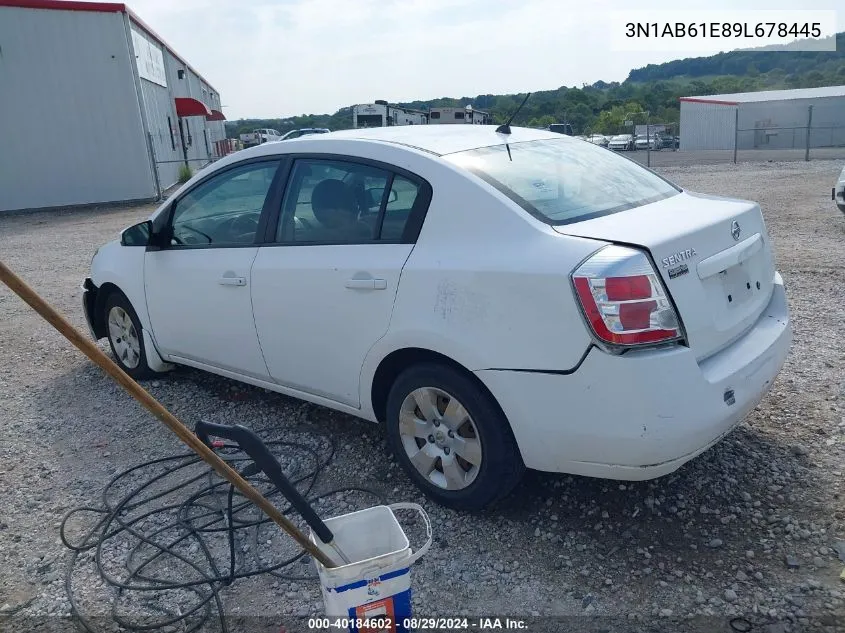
171,534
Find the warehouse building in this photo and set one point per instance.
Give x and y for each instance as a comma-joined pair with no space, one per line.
95,107
771,119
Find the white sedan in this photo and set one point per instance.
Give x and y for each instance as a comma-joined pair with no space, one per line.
643,142
621,142
496,300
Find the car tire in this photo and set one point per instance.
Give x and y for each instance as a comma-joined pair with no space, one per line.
451,437
124,332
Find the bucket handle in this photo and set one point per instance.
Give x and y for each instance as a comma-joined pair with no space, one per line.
415,556
373,570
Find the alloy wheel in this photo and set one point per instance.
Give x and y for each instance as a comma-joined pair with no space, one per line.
124,337
440,438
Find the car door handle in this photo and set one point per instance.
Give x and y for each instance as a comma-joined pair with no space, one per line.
366,284
232,281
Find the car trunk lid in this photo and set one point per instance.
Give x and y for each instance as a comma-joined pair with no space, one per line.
712,253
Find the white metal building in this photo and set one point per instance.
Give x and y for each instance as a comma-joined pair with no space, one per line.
95,107
770,119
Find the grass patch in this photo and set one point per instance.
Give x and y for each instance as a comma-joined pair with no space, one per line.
185,174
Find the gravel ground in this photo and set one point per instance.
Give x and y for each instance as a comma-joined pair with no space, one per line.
666,159
754,527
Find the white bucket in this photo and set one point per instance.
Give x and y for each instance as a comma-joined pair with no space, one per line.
376,585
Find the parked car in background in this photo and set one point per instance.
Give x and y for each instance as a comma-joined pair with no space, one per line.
561,128
839,191
598,139
304,132
259,136
643,142
621,142
495,301
670,141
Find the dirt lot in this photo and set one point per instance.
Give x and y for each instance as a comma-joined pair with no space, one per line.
751,528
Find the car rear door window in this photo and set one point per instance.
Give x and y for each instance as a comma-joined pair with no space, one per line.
225,209
400,204
340,202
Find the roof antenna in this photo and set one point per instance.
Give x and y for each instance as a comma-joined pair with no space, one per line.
506,128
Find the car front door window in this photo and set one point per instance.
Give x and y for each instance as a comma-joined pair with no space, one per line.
225,210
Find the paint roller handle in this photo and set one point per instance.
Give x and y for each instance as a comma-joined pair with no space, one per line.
252,445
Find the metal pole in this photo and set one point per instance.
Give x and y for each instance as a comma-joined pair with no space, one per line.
155,166
736,131
809,127
648,141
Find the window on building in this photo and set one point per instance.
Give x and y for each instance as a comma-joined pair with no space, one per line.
435,115
172,137
459,115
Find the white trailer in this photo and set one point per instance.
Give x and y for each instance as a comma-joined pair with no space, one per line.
466,115
383,114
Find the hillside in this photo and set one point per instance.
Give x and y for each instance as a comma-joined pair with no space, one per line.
602,107
792,66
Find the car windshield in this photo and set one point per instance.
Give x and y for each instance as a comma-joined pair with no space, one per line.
561,181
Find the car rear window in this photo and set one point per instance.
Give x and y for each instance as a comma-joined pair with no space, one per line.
565,180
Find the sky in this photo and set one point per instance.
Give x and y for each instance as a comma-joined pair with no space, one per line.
278,58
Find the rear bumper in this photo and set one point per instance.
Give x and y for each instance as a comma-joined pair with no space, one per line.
643,414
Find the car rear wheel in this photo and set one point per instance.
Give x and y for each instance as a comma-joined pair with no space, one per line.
451,437
125,338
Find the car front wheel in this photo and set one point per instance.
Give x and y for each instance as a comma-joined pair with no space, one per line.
451,437
125,339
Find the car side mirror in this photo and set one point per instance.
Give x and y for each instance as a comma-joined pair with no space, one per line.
137,235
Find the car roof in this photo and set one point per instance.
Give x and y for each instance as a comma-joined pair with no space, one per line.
439,139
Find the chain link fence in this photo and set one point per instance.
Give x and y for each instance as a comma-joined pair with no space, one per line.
166,171
734,140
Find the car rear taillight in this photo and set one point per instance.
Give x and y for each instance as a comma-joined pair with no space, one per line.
623,298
